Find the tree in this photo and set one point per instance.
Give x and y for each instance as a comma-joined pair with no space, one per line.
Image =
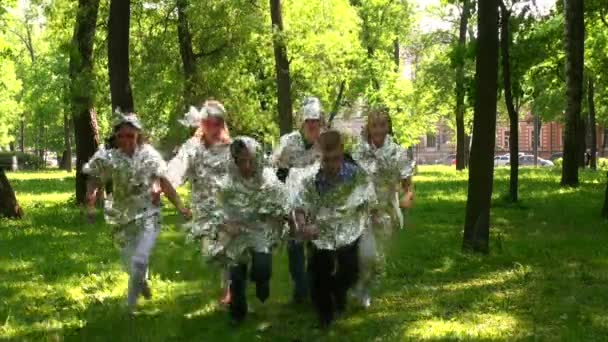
9,207
592,126
460,85
505,43
481,167
282,69
81,90
118,55
574,32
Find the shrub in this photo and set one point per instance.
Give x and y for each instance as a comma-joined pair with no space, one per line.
26,160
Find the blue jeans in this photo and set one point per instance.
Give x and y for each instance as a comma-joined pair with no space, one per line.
297,269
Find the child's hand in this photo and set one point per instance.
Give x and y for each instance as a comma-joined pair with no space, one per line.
310,232
186,212
232,229
155,193
407,201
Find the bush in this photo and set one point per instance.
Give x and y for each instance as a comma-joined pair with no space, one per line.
26,160
558,162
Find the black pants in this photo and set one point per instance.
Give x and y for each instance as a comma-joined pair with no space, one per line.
261,270
297,269
333,273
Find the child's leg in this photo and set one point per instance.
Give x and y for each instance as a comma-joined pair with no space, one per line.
347,273
238,283
321,265
225,300
297,269
261,271
143,245
368,257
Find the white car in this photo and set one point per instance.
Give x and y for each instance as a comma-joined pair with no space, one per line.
502,160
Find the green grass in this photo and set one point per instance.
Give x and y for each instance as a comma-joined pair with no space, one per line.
545,279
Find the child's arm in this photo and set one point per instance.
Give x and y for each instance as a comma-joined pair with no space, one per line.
408,200
173,197
93,186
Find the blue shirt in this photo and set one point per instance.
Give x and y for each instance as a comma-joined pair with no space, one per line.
347,173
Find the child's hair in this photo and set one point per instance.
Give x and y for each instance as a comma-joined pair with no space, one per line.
330,140
237,147
111,141
377,113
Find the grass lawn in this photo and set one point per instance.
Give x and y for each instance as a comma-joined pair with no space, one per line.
546,278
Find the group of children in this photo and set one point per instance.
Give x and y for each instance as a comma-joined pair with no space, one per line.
331,208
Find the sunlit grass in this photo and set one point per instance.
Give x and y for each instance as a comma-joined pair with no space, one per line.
545,279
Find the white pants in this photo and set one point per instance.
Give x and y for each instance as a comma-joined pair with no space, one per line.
136,240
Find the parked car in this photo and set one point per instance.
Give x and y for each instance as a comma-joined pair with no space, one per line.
502,160
528,160
449,160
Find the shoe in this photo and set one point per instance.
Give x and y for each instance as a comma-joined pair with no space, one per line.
366,300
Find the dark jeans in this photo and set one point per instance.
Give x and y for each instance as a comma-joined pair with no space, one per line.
261,270
333,273
297,269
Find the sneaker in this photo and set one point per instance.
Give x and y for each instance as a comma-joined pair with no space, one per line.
366,300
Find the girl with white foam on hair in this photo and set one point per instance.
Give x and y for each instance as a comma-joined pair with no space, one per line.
390,171
136,170
203,160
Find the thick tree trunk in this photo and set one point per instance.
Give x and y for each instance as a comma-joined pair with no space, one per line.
282,69
605,142
481,167
460,87
574,31
81,90
118,55
592,123
536,137
9,207
187,54
505,43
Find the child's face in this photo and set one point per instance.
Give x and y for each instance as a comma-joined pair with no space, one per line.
332,162
213,127
312,130
378,129
126,139
245,162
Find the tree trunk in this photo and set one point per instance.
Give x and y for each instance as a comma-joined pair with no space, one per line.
592,123
67,141
118,55
481,167
187,54
536,137
81,90
282,69
605,209
22,135
604,142
460,90
505,41
574,31
9,207
581,146
396,55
